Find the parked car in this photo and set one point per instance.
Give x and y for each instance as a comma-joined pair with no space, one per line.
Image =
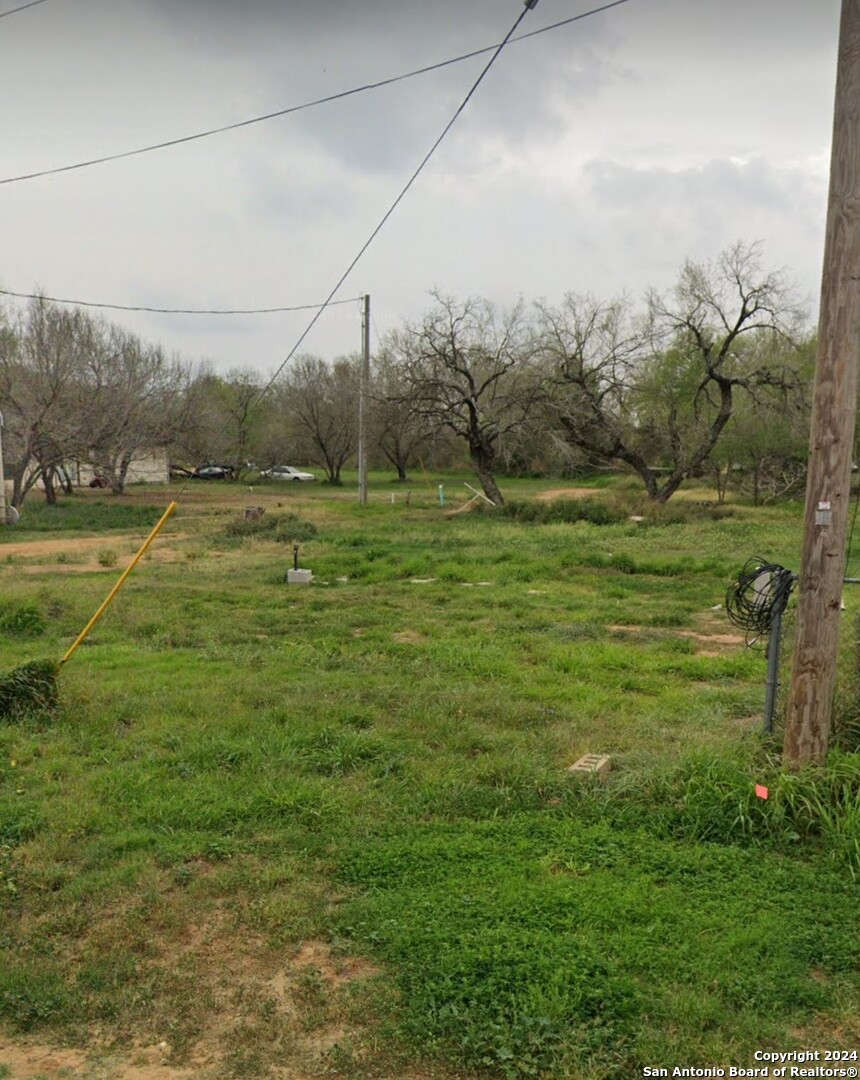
213,472
286,472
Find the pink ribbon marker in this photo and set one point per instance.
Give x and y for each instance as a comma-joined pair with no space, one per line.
761,791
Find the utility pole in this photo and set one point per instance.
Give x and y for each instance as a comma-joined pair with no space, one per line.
831,439
363,389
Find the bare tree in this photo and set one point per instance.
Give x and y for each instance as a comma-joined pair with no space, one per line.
469,371
322,408
132,397
592,350
42,351
239,402
400,429
762,452
657,392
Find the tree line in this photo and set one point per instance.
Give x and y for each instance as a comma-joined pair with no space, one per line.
710,378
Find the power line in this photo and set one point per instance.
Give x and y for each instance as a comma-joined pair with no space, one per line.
23,7
174,311
166,144
529,5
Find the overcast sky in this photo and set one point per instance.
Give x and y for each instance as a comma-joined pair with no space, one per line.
595,157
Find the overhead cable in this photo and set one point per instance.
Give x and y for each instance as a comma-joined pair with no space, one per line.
166,144
21,7
173,311
529,6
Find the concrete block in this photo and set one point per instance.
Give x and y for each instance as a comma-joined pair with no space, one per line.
299,577
598,765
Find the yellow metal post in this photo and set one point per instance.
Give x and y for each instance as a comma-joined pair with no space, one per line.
107,601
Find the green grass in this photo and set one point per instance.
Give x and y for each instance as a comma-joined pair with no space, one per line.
82,516
378,763
543,945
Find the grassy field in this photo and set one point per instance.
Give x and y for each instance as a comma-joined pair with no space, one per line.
285,831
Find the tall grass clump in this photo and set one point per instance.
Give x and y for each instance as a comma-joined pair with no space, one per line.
711,797
283,528
846,704
30,688
21,620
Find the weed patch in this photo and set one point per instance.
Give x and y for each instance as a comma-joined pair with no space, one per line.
30,688
282,528
22,620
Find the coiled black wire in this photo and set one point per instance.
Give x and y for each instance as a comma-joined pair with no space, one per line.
760,594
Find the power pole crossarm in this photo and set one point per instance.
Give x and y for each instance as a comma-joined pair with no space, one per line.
833,420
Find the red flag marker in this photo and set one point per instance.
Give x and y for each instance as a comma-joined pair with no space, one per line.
761,791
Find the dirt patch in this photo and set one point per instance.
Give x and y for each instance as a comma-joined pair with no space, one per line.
80,554
712,644
290,1017
334,970
28,1060
567,493
408,637
712,639
67,546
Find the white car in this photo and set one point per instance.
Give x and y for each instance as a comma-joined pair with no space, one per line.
286,472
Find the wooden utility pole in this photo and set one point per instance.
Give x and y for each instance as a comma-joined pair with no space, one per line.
833,420
363,389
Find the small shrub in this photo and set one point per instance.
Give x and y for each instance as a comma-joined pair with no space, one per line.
107,558
285,529
23,620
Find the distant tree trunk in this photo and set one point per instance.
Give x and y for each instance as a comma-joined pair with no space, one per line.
482,456
19,491
122,473
48,478
396,458
721,481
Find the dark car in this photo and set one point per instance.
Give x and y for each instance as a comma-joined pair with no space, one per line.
213,472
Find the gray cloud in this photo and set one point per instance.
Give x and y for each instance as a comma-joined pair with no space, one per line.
597,156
